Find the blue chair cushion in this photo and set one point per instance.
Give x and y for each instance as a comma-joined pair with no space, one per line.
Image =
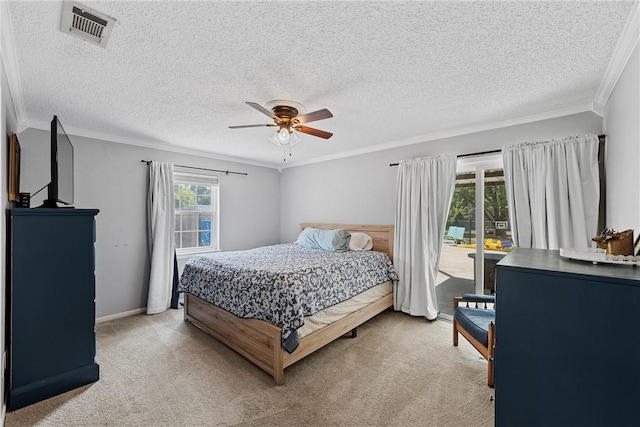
476,322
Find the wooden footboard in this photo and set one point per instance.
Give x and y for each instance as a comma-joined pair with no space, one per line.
259,341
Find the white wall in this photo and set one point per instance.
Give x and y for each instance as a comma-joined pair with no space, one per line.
361,189
111,177
7,126
622,126
3,229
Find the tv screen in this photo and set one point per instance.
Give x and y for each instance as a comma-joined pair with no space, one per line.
60,189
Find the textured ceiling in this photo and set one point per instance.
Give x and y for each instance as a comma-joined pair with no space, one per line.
178,73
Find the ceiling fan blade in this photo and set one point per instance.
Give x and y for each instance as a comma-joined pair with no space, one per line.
250,126
313,116
263,110
314,132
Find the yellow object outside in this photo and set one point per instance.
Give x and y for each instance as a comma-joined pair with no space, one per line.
493,244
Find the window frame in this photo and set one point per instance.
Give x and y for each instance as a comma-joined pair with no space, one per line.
188,177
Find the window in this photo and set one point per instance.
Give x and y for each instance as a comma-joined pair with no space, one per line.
196,212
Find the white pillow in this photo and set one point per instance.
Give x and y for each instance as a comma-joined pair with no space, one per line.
360,242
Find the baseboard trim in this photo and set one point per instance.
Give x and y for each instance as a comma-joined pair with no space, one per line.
121,315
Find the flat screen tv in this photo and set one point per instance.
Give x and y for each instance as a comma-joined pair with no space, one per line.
60,189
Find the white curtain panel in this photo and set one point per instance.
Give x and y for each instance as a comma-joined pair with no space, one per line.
424,189
161,227
553,192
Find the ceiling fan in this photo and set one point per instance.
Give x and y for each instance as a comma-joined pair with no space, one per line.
285,117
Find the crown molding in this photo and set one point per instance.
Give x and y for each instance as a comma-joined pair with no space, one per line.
448,134
10,62
598,109
156,145
626,44
25,124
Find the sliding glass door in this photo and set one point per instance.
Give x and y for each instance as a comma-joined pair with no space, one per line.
477,229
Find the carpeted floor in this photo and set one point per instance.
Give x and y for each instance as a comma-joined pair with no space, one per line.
161,371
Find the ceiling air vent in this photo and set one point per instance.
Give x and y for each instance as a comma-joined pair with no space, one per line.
86,23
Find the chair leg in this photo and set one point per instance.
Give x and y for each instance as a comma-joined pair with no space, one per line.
490,376
455,333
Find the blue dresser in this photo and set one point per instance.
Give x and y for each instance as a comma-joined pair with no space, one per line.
567,349
51,303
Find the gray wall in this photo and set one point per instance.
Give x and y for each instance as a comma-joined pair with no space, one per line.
110,177
622,126
259,209
361,189
266,207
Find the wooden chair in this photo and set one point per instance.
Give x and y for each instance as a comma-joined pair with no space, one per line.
474,317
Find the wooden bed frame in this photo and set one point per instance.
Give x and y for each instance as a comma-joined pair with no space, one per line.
260,341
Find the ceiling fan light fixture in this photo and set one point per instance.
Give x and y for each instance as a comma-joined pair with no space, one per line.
286,116
294,139
284,135
274,139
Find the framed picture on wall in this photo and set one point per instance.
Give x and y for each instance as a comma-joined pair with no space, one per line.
14,168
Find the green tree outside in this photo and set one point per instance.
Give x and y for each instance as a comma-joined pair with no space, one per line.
464,200
462,211
185,196
462,204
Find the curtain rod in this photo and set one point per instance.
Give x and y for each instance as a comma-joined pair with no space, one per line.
202,169
480,153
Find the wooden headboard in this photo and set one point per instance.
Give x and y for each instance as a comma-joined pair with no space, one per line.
382,235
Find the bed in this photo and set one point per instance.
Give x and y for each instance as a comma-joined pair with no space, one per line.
262,342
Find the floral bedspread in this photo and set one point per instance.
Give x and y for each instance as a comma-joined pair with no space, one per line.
283,283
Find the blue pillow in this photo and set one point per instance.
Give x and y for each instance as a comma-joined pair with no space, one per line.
327,240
